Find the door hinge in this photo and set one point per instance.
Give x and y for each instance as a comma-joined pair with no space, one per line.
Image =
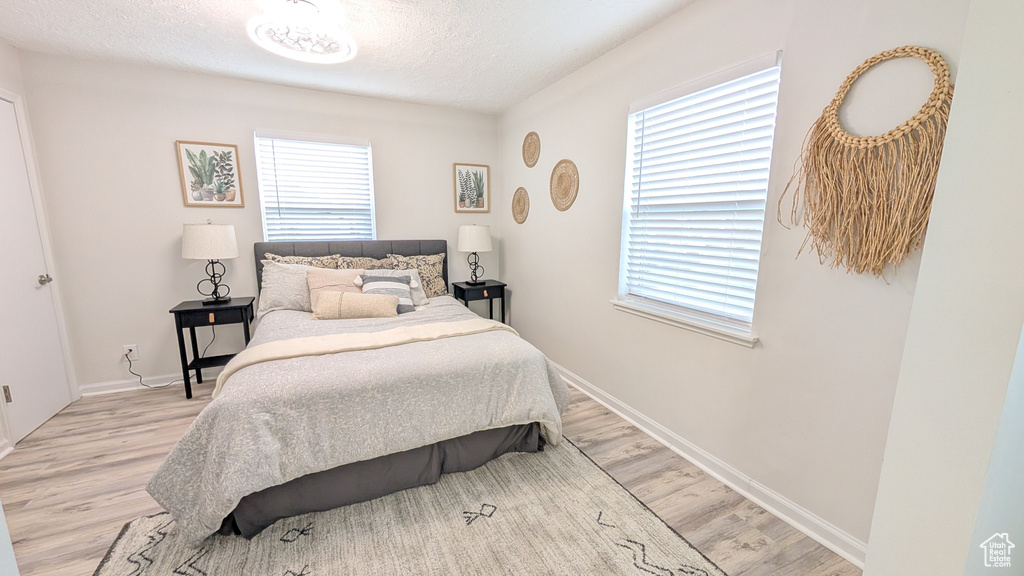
7,394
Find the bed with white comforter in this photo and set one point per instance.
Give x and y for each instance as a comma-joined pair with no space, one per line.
279,420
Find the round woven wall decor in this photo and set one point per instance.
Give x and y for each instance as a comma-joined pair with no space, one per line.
531,149
565,183
865,200
520,205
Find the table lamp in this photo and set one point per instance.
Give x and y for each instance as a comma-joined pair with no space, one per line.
211,242
474,239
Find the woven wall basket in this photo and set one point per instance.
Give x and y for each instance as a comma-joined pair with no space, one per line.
565,183
520,205
865,200
531,149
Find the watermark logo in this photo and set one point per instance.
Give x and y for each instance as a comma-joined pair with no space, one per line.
997,550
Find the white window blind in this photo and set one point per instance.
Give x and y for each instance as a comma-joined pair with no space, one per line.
315,190
696,183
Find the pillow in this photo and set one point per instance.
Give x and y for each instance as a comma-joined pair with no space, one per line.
396,286
284,288
350,262
321,280
430,268
419,297
314,261
346,305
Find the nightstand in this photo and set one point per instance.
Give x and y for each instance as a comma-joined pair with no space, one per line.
193,313
489,290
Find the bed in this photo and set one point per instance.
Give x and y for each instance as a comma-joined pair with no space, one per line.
312,432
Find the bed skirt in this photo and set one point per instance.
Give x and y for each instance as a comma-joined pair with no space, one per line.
369,479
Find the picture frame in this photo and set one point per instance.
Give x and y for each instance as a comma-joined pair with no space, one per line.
209,174
472,187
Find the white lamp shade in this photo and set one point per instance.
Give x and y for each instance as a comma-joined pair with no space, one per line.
474,238
209,242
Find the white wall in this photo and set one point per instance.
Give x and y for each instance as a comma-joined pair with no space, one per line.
1002,501
10,69
10,80
804,415
966,320
104,137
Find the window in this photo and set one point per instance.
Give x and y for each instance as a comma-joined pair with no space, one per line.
315,190
696,182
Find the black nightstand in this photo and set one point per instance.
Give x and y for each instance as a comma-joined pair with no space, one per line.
489,290
192,313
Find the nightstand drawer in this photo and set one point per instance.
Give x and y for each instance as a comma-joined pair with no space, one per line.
213,316
484,292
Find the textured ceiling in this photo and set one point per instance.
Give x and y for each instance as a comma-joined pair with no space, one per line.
481,55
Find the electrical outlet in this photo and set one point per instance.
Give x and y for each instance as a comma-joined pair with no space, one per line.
131,350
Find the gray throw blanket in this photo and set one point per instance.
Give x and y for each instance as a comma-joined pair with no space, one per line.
276,421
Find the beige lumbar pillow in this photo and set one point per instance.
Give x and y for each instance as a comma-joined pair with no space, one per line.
323,280
346,305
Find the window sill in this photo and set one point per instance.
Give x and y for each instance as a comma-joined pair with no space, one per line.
687,321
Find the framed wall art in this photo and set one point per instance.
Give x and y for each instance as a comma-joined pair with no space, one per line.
472,188
209,174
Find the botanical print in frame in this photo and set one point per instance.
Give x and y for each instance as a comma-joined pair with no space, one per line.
209,174
472,188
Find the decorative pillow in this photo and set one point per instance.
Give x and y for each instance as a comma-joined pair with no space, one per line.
396,286
419,297
346,305
314,261
284,288
351,262
430,268
321,280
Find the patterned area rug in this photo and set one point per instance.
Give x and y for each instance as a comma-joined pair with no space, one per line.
554,512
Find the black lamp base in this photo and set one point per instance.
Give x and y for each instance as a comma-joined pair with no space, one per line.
475,269
216,301
218,293
472,283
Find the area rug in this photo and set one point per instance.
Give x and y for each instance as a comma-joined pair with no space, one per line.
555,512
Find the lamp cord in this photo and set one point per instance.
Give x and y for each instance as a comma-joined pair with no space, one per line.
128,357
214,329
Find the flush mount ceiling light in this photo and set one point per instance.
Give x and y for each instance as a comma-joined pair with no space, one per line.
296,29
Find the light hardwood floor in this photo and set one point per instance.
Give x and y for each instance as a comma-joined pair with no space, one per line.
70,486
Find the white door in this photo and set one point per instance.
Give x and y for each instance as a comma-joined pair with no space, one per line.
31,356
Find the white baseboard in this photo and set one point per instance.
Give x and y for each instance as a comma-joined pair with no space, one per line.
128,384
821,530
5,448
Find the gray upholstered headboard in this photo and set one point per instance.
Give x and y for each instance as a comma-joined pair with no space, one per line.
369,248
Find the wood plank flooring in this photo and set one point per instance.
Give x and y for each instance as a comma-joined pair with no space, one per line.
69,487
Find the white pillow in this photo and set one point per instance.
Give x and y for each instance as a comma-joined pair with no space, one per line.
322,280
336,305
284,288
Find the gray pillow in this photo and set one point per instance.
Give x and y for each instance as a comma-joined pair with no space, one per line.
393,286
284,288
419,297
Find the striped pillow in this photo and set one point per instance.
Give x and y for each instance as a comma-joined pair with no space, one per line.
390,285
419,297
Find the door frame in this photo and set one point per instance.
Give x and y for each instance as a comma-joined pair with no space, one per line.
44,236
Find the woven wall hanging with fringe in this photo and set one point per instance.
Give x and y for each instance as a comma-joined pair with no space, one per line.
865,200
